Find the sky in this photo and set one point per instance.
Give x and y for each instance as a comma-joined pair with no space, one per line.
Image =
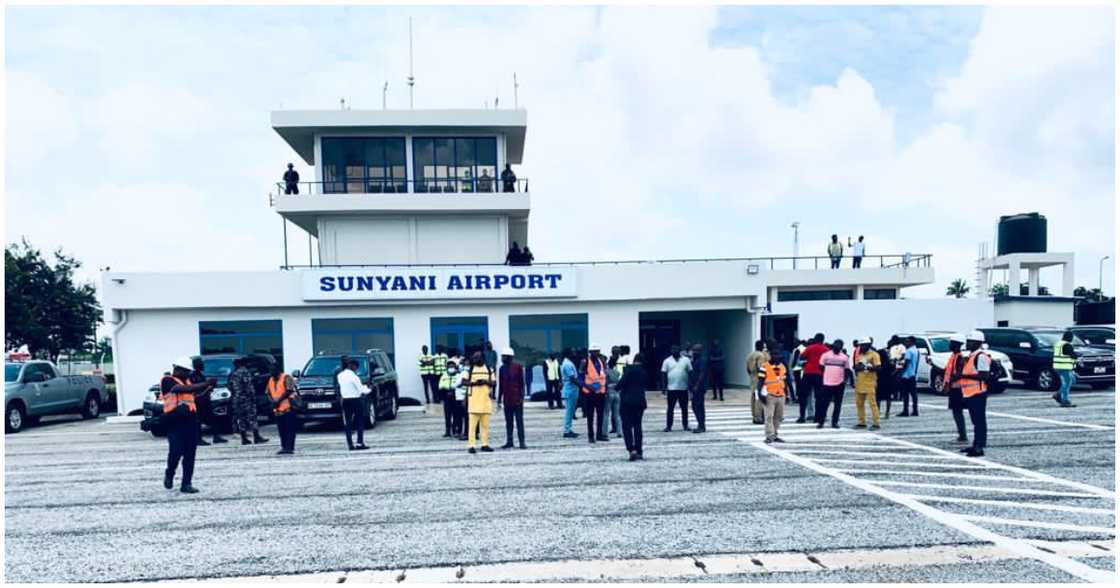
138,137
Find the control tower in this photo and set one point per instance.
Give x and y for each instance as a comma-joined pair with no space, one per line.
407,186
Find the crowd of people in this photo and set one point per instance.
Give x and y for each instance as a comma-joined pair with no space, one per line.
609,391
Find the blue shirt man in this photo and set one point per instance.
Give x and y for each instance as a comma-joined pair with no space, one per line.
569,376
911,370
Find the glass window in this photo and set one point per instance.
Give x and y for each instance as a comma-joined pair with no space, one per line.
534,337
808,295
940,344
459,164
11,372
352,335
242,337
465,334
325,366
880,293
363,164
1096,336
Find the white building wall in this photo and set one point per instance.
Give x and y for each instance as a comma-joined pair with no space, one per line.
1023,313
425,239
852,319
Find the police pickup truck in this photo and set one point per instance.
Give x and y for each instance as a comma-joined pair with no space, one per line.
218,366
33,389
318,390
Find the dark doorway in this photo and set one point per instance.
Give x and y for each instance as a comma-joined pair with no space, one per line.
656,337
781,328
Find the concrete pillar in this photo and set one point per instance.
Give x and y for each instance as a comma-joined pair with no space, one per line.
1013,278
296,338
1067,278
859,292
1032,280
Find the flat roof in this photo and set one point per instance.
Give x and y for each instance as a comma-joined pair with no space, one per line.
299,127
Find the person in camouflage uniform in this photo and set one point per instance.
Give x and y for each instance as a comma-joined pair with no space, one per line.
244,403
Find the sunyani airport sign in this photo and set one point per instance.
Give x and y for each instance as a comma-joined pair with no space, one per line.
438,283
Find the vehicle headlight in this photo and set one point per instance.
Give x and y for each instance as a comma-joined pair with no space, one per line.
220,394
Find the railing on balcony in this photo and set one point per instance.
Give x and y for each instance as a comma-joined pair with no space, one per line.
771,263
403,186
846,261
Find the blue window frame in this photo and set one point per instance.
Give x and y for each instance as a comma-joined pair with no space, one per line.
455,164
466,334
807,295
368,165
534,336
880,293
242,337
351,335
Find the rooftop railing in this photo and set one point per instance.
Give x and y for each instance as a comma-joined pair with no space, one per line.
772,263
405,186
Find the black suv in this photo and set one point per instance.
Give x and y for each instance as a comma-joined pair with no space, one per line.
1031,350
318,389
219,366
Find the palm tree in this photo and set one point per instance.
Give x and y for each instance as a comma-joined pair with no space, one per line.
958,289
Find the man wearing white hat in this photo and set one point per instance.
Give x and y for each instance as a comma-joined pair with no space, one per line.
952,385
180,416
866,366
973,380
511,395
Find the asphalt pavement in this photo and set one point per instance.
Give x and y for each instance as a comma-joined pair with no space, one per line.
84,502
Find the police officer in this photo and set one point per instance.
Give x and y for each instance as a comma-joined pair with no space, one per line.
1064,361
281,391
952,385
243,401
974,389
180,417
427,370
205,411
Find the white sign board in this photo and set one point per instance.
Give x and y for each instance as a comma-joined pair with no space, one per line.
438,283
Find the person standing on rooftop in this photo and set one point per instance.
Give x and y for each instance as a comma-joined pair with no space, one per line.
857,252
509,179
835,252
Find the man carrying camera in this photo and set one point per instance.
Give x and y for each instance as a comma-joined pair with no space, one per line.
180,417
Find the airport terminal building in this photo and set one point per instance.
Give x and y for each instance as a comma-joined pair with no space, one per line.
410,226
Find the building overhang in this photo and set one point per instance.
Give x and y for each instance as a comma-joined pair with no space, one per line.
299,127
305,210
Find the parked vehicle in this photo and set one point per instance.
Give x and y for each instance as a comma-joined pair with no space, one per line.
1032,351
1096,335
934,349
319,393
218,366
33,389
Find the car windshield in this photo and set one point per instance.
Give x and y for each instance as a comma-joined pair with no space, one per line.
939,344
326,366
217,367
11,372
1049,338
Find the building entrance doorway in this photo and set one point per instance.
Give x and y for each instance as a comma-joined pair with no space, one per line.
655,338
467,334
781,328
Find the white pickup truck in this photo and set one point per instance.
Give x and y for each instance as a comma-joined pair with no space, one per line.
33,389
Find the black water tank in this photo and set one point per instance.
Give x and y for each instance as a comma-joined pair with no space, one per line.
1022,233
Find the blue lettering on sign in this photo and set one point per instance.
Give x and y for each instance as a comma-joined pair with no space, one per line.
517,281
482,282
455,283
383,281
365,283
345,283
552,279
500,281
417,283
536,282
398,284
326,284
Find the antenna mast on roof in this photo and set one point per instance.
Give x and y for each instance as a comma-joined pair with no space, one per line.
411,79
384,90
515,90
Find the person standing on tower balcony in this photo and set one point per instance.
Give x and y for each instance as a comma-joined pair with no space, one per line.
514,256
857,252
835,252
509,179
485,182
291,180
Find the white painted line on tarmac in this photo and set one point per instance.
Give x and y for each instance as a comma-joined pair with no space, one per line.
1035,419
954,521
920,474
1001,432
875,462
1012,504
840,451
1028,491
1039,524
1037,476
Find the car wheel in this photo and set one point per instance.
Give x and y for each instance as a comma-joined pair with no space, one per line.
1047,380
91,409
394,406
16,418
936,381
371,412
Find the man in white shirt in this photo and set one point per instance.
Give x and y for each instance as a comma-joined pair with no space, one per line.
674,382
857,252
353,392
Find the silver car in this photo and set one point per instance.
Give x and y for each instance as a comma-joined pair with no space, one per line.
33,389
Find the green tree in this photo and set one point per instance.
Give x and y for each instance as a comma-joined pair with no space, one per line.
958,289
103,349
1002,290
43,307
1090,295
997,290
